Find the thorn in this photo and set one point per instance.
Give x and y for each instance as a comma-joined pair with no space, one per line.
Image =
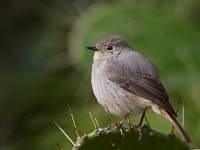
172,129
58,145
75,128
176,112
96,122
129,123
183,115
102,121
73,120
92,118
110,115
64,133
179,101
146,120
112,144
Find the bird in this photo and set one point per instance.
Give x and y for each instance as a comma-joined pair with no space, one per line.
128,83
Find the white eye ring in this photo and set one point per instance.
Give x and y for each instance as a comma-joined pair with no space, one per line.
109,47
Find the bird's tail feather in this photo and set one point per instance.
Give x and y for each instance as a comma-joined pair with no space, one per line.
172,119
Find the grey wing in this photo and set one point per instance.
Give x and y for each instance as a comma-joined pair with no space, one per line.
141,78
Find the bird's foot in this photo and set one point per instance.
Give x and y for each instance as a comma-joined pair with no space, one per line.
119,126
139,129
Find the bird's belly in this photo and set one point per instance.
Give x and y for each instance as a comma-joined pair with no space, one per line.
118,101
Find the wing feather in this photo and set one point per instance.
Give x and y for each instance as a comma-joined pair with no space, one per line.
140,79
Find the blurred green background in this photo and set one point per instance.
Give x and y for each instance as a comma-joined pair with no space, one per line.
44,65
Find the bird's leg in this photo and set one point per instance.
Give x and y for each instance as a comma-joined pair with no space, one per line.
140,124
119,125
121,122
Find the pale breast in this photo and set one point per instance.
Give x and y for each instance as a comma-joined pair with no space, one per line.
119,101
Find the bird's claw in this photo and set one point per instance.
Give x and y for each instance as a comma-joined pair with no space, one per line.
119,126
139,129
140,133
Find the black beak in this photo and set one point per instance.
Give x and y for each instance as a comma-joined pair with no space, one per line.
92,48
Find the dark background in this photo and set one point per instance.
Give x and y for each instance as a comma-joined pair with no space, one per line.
44,65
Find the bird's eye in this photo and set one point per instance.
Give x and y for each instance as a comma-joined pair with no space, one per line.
110,47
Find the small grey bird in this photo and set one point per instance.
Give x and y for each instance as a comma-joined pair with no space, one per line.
126,82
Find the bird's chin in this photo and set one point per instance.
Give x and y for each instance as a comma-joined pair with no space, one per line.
98,55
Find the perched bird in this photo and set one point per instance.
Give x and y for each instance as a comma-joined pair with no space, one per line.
126,82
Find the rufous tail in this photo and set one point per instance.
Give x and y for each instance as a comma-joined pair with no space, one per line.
172,119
